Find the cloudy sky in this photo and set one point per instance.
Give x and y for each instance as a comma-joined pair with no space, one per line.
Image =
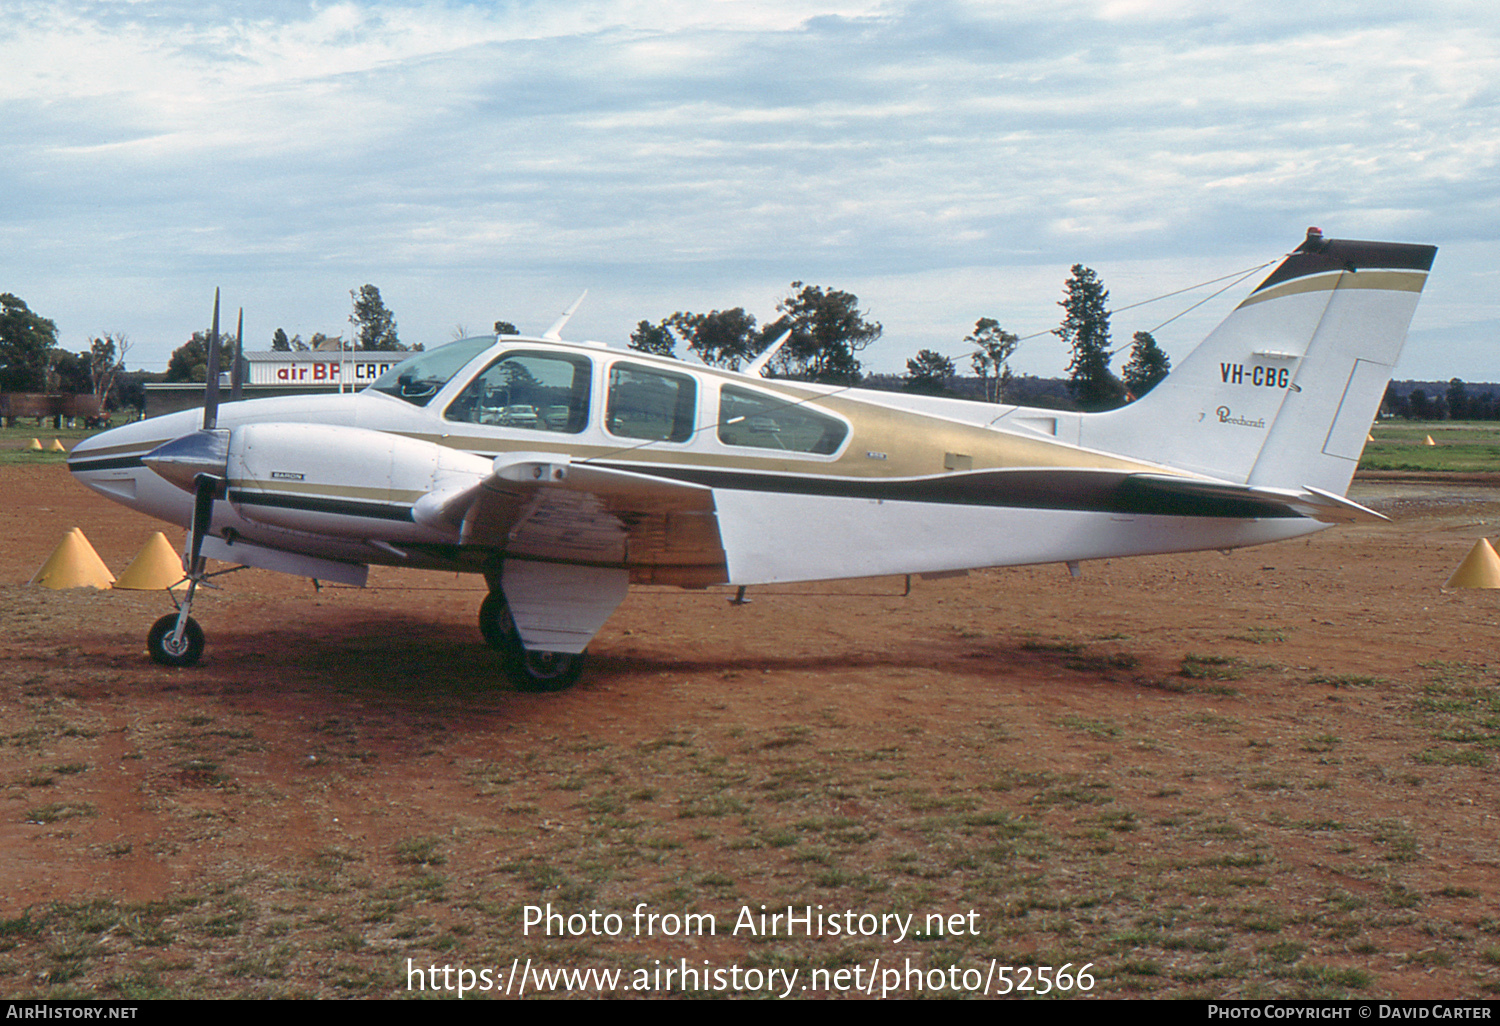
943,160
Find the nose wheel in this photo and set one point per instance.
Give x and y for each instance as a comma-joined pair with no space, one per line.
528,669
175,640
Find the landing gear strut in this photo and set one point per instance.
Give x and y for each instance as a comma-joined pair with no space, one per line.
176,639
529,670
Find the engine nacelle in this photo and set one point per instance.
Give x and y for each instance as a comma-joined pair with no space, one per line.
343,481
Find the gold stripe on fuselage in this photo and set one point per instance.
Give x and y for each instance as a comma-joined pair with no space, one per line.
884,442
131,448
386,495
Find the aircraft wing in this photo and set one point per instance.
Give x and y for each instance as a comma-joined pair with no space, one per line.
1315,503
546,507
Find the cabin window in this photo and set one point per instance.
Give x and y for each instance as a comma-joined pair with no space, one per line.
423,376
652,404
534,391
776,422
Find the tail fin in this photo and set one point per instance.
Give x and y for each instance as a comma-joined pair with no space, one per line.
1283,392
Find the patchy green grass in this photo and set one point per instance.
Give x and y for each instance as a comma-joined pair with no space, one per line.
14,442
1345,680
1262,635
1461,447
1459,707
55,812
1211,667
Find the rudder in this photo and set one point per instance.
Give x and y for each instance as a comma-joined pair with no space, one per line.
1283,392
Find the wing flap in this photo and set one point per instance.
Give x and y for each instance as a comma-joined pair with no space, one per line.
544,506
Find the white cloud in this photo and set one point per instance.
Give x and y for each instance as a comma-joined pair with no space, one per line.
667,153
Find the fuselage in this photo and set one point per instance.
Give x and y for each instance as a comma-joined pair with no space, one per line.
809,482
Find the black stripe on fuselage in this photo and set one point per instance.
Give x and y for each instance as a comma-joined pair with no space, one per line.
321,504
1071,490
83,466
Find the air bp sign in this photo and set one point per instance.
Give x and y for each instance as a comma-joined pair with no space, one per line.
310,369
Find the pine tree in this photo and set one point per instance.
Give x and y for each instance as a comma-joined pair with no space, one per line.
1147,366
374,324
928,372
1085,328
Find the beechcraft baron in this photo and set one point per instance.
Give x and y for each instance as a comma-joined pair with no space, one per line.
564,472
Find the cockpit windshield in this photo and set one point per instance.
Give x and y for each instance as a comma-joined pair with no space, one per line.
423,376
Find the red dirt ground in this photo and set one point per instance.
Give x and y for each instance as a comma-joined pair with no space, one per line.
1364,817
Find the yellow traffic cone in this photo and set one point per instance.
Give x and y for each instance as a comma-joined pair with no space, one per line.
1429,441
155,567
73,564
36,445
57,446
1480,568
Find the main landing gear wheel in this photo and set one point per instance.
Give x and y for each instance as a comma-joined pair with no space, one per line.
179,652
544,671
531,671
495,624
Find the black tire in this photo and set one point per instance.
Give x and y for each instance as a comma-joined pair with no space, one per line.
527,671
159,642
544,671
495,624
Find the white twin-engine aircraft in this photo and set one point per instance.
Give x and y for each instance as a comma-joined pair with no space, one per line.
563,472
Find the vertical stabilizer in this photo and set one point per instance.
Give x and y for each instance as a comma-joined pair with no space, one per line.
1282,393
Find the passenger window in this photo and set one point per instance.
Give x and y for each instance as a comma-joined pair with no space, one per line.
648,403
772,422
535,391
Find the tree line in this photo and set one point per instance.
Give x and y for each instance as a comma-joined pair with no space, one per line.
819,335
32,361
825,330
1432,400
373,329
1084,329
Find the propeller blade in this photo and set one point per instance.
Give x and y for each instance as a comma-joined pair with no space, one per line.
203,511
237,376
211,386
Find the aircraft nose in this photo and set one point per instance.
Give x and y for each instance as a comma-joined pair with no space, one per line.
103,451
121,448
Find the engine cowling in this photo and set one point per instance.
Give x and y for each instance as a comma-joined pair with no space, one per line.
343,481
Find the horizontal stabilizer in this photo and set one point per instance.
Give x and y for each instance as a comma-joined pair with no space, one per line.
1314,503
